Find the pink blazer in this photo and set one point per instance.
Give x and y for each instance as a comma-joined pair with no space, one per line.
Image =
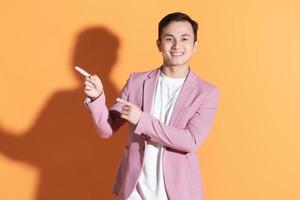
189,126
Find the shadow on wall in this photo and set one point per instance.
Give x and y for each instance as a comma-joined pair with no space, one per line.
74,163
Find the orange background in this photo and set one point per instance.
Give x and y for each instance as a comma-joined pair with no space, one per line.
48,145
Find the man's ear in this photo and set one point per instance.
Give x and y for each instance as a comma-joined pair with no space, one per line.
195,46
158,45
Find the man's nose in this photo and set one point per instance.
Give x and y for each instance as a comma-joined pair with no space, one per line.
175,44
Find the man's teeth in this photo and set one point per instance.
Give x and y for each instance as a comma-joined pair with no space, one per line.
177,53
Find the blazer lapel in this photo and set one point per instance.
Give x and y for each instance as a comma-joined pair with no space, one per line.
181,101
149,88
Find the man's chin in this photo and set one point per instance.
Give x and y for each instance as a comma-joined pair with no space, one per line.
175,64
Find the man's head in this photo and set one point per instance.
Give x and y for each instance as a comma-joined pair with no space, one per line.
177,17
177,39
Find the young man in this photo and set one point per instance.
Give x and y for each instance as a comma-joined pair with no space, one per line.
170,111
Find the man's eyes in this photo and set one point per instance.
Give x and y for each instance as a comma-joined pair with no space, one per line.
182,39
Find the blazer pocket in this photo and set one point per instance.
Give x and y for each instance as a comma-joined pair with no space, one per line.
193,173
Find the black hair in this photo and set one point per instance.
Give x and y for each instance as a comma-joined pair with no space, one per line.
177,16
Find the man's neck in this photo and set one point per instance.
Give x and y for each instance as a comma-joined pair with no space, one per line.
175,71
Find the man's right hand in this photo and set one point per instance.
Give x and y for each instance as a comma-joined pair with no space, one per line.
93,87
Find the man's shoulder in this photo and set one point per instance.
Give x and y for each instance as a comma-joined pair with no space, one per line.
202,83
203,87
142,75
206,83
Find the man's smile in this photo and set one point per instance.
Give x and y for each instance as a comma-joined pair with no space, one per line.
177,53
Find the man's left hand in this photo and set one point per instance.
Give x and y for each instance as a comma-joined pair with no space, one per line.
130,111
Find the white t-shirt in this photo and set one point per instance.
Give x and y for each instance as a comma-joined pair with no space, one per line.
150,185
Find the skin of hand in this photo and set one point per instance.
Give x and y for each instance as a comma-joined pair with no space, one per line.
93,87
130,111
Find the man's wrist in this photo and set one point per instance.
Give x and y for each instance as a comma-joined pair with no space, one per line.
94,98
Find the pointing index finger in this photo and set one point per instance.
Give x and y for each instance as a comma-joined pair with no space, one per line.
82,71
124,101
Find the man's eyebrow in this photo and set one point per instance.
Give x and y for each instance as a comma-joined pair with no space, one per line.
167,34
183,35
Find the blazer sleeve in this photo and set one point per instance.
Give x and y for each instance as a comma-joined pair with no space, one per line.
186,139
107,121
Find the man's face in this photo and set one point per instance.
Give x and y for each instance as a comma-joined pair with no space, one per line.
177,43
